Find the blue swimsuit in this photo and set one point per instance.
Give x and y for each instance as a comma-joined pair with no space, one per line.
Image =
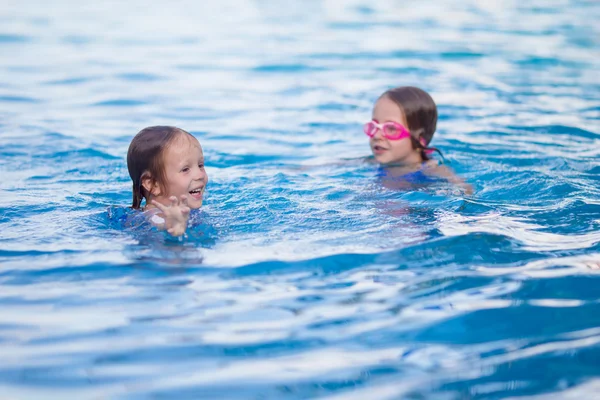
416,177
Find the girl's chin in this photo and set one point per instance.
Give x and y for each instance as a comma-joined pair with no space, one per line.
194,205
382,158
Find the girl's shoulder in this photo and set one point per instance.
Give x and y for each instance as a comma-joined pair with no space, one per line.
154,215
430,164
437,169
126,217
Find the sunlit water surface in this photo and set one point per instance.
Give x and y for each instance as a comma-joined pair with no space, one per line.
303,276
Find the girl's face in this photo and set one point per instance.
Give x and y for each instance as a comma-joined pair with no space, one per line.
388,151
184,172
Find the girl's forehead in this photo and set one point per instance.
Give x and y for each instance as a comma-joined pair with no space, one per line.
387,109
184,141
387,106
182,145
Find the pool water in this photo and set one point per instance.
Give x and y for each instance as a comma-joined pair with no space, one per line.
305,275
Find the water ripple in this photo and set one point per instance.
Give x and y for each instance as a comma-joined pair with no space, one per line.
305,275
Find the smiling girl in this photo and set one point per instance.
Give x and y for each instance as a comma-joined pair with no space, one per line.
166,165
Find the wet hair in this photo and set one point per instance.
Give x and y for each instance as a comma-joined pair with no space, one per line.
145,157
421,115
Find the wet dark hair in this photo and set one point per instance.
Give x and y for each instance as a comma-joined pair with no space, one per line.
145,156
420,112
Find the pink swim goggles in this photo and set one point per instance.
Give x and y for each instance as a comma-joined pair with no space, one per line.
392,131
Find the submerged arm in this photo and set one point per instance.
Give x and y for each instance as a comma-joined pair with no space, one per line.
446,173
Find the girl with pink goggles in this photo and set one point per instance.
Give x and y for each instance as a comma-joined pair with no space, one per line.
391,131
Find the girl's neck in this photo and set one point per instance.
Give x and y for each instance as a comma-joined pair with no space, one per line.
413,158
412,161
149,206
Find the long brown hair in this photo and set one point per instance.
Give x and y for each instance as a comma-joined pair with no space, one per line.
145,157
421,115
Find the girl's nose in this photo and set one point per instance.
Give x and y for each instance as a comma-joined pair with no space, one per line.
378,134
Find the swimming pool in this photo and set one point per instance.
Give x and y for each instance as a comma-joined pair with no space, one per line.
303,277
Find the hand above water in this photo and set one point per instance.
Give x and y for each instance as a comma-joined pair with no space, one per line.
176,214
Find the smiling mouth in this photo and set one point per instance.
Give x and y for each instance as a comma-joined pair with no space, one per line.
378,148
197,192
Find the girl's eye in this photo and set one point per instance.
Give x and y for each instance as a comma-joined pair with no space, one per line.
391,129
200,166
186,169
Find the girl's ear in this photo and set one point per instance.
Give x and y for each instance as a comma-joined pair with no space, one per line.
150,184
417,133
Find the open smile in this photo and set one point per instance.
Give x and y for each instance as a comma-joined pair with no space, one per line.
197,193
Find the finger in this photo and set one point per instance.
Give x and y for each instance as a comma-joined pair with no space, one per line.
174,201
184,200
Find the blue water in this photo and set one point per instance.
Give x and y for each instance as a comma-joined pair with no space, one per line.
303,276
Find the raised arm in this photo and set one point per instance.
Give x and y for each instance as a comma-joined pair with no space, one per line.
174,217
